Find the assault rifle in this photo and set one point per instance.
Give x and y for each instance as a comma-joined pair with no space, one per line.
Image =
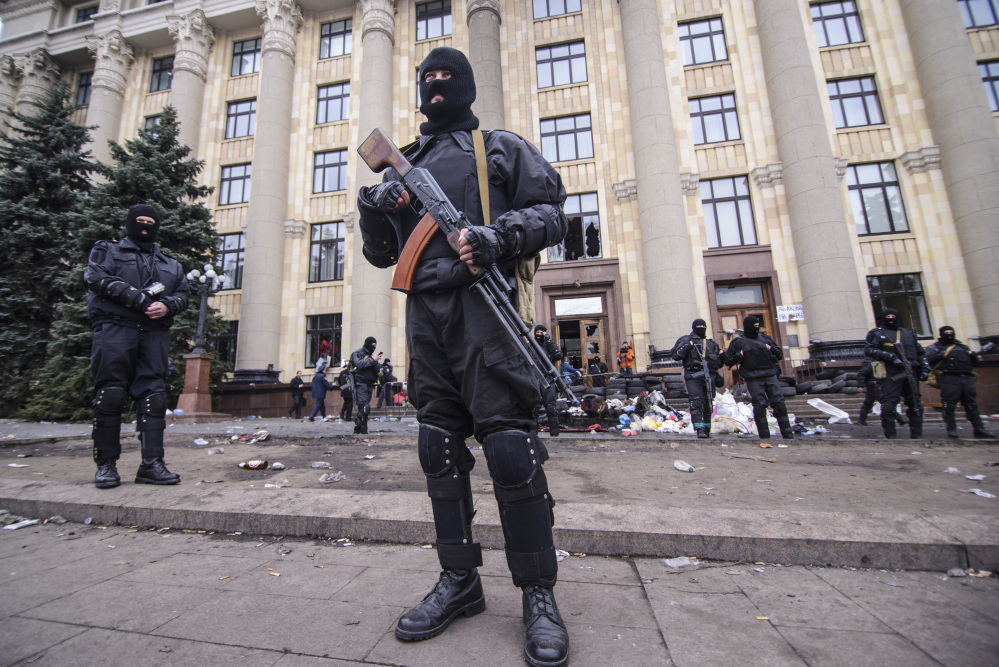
917,400
709,381
378,152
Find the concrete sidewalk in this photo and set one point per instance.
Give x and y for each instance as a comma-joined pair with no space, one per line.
841,499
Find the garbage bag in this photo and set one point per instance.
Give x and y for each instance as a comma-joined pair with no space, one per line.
836,416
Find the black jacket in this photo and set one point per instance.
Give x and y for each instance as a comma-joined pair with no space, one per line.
552,351
297,388
110,262
525,204
365,367
959,361
684,351
888,345
756,361
344,381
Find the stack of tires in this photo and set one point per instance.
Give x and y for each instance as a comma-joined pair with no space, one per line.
788,385
831,381
617,388
674,386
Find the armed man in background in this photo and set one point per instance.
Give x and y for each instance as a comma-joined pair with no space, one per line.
701,358
549,395
135,291
466,376
903,361
872,394
954,361
757,355
365,366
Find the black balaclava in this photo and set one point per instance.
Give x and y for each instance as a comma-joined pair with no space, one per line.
699,328
890,319
369,344
454,112
134,228
540,330
751,326
946,335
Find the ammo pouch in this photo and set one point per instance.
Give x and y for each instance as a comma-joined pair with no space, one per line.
879,370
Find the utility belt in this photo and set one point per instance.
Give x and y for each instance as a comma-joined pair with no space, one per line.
125,322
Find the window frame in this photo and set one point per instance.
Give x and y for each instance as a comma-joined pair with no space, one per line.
159,73
552,62
328,37
443,14
314,334
228,179
687,41
858,200
913,299
320,249
340,167
839,100
968,16
742,203
86,14
84,87
697,118
344,102
224,344
576,131
234,113
991,81
589,218
223,253
844,16
151,123
548,8
239,54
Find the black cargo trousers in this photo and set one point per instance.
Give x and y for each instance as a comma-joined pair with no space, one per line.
466,377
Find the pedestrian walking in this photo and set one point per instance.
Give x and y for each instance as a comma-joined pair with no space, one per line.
297,395
320,385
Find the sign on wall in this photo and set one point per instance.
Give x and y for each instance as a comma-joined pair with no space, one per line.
792,313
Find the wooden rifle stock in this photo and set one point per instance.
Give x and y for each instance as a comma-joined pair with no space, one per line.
378,152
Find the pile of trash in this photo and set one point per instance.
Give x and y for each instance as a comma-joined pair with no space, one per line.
650,412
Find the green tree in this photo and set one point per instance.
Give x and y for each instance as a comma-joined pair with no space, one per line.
44,176
153,169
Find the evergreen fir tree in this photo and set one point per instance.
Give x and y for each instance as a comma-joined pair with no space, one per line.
44,175
152,169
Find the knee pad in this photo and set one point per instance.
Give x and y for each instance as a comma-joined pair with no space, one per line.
442,453
515,460
151,412
109,403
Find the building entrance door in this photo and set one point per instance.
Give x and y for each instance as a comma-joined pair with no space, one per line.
735,302
581,340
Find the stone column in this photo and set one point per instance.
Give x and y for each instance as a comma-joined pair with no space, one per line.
370,292
666,262
484,55
113,56
962,125
260,319
39,73
8,89
194,38
835,307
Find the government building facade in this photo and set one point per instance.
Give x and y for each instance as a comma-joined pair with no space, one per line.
811,162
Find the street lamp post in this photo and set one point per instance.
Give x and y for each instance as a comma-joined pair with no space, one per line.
205,284
195,403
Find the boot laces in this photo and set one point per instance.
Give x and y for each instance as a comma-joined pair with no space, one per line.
541,603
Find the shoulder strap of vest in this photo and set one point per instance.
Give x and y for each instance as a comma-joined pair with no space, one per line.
481,167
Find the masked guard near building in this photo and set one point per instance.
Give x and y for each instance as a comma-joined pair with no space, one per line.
954,362
135,291
365,366
466,376
902,366
701,358
757,355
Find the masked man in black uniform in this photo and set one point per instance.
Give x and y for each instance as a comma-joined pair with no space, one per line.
757,355
955,361
905,366
693,351
134,293
465,375
872,394
365,365
549,395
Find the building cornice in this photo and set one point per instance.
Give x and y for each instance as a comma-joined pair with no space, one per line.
472,6
378,16
281,18
113,56
195,38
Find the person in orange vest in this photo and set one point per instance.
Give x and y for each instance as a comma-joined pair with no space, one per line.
626,359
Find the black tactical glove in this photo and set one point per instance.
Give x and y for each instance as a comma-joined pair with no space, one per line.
486,244
924,374
897,362
383,197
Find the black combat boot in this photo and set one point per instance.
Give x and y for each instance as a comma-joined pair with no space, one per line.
975,417
888,425
950,419
762,425
547,643
702,432
153,470
785,425
456,592
107,475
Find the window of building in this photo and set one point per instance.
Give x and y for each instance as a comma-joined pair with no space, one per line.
990,77
319,328
546,8
728,212
855,102
335,39
162,77
582,240
567,138
703,42
230,258
245,57
836,23
224,343
904,293
876,199
978,13
240,119
334,103
151,123
326,254
330,172
433,19
235,187
85,14
714,119
561,65
83,86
